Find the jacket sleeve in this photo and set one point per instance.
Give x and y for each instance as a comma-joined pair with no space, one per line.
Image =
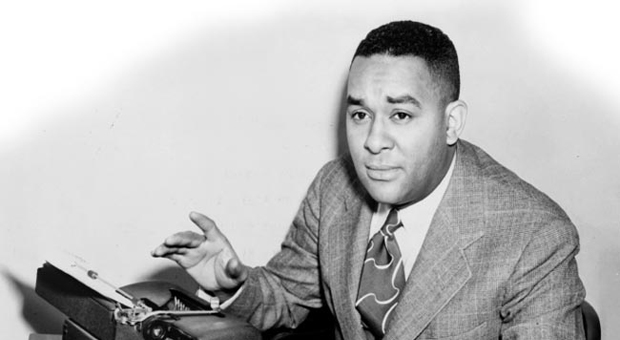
543,297
282,293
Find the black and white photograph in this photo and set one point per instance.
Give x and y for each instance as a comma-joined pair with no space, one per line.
309,170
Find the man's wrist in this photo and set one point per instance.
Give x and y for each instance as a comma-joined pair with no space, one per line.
220,299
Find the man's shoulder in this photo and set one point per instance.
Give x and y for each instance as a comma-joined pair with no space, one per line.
337,174
505,190
515,212
334,188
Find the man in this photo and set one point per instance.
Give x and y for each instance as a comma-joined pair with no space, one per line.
469,250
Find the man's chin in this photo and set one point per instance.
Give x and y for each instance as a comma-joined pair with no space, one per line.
386,194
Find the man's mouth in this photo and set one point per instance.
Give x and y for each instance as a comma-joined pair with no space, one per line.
381,172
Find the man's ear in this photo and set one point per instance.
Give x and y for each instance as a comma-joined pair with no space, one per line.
456,115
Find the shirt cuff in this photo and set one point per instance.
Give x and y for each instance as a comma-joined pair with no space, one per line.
215,302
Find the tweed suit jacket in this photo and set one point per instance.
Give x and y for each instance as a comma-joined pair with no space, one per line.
497,261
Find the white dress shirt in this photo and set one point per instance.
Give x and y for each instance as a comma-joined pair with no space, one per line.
416,220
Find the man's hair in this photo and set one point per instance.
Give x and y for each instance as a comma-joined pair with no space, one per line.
410,38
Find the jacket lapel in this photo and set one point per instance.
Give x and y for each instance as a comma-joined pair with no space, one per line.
441,268
348,240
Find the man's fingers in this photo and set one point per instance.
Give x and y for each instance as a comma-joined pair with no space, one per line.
178,243
204,223
161,251
187,239
165,251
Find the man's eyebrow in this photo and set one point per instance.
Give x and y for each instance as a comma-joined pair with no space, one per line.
404,99
354,101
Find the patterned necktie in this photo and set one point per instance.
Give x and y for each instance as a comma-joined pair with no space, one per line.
383,277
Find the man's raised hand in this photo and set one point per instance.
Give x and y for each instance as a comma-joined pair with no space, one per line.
208,257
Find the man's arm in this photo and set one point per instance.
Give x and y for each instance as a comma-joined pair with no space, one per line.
544,294
282,293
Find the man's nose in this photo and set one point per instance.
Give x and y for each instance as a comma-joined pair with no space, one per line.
378,138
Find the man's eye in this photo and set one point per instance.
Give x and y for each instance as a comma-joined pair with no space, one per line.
401,115
359,115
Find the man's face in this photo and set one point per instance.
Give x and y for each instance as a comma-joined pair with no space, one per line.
396,128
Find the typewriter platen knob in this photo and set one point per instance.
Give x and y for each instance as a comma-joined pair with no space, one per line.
155,330
158,329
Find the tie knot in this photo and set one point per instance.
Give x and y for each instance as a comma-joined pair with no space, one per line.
392,223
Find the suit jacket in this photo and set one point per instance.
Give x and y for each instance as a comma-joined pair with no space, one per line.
497,261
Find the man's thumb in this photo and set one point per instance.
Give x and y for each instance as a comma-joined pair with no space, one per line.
236,270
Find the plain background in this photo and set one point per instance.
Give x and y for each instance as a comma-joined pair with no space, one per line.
118,119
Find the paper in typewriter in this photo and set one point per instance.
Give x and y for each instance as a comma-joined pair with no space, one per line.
82,271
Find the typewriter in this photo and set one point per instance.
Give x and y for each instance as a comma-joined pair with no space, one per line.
97,310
